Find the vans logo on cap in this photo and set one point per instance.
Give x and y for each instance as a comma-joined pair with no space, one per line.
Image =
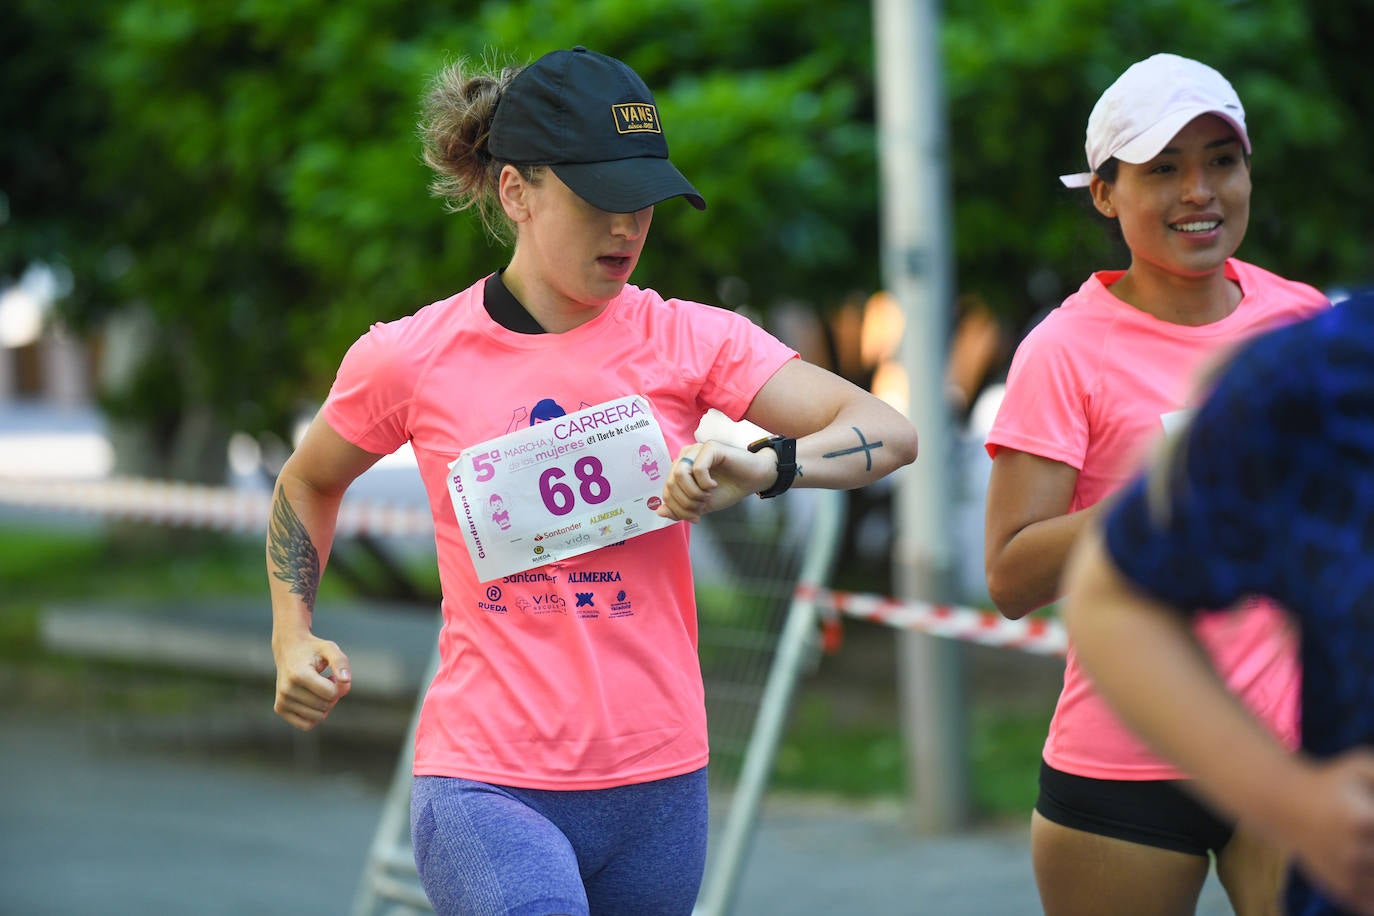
636,118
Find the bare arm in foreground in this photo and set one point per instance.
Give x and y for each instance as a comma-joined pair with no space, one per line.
1143,657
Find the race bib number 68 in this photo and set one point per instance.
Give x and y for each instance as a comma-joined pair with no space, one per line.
560,488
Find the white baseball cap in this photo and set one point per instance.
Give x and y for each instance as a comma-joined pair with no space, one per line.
1151,102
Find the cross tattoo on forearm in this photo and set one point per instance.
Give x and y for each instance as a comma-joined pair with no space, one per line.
868,448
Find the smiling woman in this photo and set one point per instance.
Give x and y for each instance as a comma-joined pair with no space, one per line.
1091,390
1181,212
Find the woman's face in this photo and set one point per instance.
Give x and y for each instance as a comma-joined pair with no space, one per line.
1185,211
582,254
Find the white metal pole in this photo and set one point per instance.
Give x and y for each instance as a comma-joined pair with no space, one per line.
916,270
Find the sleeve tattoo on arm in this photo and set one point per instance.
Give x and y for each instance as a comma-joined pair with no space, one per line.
868,448
293,554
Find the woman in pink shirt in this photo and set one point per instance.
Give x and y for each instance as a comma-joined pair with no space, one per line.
561,749
1091,389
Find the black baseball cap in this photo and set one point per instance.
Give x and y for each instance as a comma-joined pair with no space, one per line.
592,120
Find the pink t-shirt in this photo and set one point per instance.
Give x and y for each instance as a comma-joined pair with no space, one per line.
539,685
1093,386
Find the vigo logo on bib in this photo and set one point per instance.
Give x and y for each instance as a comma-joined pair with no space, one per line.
560,488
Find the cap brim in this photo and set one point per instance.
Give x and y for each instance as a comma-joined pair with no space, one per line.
627,185
1149,144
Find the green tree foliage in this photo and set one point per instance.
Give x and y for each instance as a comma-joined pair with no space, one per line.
247,173
50,115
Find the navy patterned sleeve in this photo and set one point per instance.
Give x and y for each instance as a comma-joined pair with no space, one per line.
1203,527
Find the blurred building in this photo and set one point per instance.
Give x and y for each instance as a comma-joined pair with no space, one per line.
40,360
50,422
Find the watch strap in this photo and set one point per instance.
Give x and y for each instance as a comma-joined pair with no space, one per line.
785,447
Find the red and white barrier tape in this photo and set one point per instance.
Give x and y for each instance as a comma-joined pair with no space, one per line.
186,505
217,508
1037,634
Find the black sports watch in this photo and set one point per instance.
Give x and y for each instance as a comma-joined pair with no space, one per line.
785,448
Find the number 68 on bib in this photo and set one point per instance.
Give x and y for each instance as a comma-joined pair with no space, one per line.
560,488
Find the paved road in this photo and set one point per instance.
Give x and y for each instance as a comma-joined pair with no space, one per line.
89,825
178,817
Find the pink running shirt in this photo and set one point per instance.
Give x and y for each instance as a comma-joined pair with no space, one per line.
1092,386
581,674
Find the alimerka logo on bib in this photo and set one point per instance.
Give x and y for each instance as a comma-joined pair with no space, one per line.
636,118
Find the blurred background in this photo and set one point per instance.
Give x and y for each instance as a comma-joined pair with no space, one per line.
202,205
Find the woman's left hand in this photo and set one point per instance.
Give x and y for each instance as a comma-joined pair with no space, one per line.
710,476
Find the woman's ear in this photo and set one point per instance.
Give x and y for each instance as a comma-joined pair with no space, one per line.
514,192
1102,196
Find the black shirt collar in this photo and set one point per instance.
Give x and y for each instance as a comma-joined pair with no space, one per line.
505,309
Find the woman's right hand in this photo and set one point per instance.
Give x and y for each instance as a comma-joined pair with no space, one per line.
305,693
1334,834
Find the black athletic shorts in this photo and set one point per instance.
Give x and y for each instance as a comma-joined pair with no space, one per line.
1158,812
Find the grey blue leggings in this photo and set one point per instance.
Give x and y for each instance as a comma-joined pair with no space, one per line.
485,850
